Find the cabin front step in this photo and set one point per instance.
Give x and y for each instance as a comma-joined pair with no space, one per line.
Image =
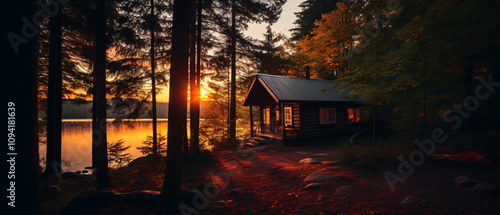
254,141
252,144
261,140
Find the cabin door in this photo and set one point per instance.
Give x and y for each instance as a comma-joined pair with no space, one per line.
272,124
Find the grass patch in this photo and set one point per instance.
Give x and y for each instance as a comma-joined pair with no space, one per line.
366,154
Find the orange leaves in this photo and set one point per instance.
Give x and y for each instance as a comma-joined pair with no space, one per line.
332,34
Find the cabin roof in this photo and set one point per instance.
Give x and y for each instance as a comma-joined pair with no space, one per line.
287,89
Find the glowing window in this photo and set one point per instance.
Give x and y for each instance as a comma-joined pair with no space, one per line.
288,116
353,114
267,116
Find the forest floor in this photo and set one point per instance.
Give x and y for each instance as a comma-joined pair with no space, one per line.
272,182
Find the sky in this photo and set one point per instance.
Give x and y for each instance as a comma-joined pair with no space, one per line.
283,25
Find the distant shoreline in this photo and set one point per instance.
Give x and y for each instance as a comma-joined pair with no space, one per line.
112,119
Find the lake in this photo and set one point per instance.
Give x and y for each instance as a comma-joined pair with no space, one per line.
77,139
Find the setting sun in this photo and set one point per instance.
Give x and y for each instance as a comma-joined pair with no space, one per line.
203,94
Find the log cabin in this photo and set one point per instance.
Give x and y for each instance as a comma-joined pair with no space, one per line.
296,108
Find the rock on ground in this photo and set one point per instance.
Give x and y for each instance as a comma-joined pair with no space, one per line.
320,197
309,161
321,155
236,191
312,186
465,180
347,190
486,188
333,163
408,200
246,152
320,176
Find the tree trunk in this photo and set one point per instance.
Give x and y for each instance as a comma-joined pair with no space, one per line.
19,100
54,96
232,113
194,97
170,192
99,140
153,81
195,107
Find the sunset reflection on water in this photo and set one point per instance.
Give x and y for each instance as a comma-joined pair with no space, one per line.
77,139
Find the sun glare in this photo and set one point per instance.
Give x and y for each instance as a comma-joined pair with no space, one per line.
203,94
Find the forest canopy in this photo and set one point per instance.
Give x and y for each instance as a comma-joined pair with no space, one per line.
418,57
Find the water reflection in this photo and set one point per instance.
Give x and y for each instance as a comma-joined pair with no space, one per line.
76,149
77,139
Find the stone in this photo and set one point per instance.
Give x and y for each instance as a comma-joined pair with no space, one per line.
320,197
320,176
309,161
53,189
251,144
85,171
333,163
408,200
347,190
246,152
236,191
465,181
321,155
486,188
301,153
312,186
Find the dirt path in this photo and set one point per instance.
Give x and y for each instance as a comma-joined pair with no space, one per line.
272,183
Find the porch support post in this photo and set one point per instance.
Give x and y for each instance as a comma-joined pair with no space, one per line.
283,121
251,122
261,119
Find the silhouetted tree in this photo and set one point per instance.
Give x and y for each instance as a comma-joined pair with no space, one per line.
117,153
222,60
170,192
195,94
54,93
153,78
271,56
232,108
312,10
99,138
20,65
148,145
